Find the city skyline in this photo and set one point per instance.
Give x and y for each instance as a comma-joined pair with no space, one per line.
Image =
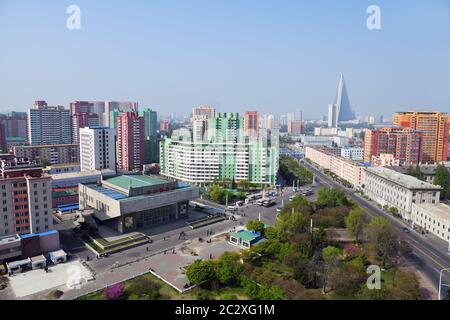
280,60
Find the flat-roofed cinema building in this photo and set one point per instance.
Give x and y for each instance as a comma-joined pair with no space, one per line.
129,202
390,188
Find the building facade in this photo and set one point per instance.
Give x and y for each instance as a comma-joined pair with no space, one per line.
52,154
251,123
392,189
130,141
151,146
97,148
404,144
49,125
433,218
25,197
352,153
129,202
433,125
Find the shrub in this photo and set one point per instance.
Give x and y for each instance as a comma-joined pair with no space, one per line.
114,292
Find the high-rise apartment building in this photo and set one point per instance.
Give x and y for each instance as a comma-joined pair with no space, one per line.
119,106
97,148
226,127
25,197
201,122
151,147
251,124
295,126
15,124
130,141
49,125
3,146
83,120
406,145
434,126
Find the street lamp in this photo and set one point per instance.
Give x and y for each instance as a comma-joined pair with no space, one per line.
440,281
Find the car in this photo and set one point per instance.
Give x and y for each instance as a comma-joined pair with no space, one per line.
268,203
260,202
231,208
406,230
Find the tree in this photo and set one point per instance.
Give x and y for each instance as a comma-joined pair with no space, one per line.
331,256
356,222
255,226
266,292
228,268
201,272
216,194
419,174
442,178
383,239
114,292
331,197
406,287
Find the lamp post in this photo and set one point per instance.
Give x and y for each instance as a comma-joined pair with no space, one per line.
440,281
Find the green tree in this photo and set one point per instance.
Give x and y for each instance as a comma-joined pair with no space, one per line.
406,286
331,197
266,292
216,194
356,222
255,226
331,258
442,178
383,239
419,174
201,273
228,268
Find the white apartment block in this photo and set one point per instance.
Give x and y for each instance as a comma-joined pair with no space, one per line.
97,148
433,218
390,188
346,169
54,154
353,153
49,125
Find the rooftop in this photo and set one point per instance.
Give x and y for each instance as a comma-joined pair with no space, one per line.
401,179
245,235
440,211
127,181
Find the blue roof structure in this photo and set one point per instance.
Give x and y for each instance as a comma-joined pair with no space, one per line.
69,207
116,195
41,234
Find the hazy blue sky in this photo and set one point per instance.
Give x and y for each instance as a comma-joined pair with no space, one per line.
273,56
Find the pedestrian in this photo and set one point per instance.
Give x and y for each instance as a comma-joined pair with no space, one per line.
210,256
165,251
147,249
173,251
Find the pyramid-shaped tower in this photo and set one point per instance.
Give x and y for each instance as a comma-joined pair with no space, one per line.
343,107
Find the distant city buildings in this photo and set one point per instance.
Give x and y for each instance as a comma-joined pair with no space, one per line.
295,127
49,154
433,125
97,148
251,123
201,122
151,145
49,125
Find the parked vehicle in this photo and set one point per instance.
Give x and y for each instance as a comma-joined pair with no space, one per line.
268,203
260,202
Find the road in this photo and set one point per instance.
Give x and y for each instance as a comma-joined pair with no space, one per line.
429,254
